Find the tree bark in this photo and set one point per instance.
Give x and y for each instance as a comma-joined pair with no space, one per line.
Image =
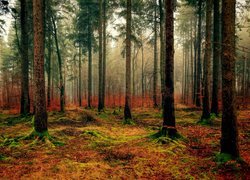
155,57
40,122
80,77
25,99
216,58
229,129
169,109
100,32
104,51
127,108
89,64
198,86
62,98
207,62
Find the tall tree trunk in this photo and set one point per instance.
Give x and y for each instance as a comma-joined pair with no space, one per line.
80,77
207,62
195,64
104,51
100,32
162,49
169,109
142,73
155,57
89,64
49,69
40,122
133,71
229,129
216,58
62,100
25,99
198,86
127,109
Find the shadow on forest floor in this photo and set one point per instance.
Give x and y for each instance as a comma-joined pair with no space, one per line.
99,145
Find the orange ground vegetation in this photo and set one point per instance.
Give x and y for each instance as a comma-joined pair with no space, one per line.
100,146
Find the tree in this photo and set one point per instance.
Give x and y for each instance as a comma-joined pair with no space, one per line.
207,62
229,129
168,108
216,57
40,122
127,108
100,32
155,73
61,86
104,50
87,23
25,99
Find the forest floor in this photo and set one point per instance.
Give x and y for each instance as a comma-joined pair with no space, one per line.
100,146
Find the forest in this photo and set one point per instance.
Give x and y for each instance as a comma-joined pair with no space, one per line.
124,89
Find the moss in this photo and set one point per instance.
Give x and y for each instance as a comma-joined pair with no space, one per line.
128,122
10,142
209,121
222,158
17,120
2,157
43,137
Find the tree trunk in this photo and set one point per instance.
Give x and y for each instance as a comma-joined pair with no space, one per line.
216,58
127,109
229,129
155,57
198,86
207,62
25,99
80,77
142,74
100,32
40,122
49,69
62,100
169,109
162,49
89,64
104,52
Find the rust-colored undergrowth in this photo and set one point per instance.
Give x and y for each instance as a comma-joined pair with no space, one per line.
100,146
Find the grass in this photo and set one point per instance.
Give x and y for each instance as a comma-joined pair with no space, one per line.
98,145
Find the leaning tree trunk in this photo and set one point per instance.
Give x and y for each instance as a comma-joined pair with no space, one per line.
62,100
207,62
25,99
169,109
127,108
229,129
216,58
40,122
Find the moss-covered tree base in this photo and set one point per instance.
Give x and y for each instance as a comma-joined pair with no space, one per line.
164,136
43,137
207,121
